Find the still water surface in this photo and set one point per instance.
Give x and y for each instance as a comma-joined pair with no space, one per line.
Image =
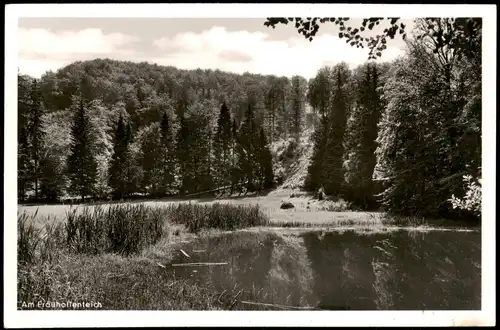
399,270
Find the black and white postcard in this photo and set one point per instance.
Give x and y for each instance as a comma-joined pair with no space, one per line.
249,164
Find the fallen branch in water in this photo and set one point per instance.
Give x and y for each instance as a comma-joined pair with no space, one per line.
235,300
200,264
220,296
276,306
184,253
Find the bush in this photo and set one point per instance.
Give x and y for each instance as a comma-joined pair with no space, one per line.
286,205
320,194
288,153
280,175
220,216
471,202
338,206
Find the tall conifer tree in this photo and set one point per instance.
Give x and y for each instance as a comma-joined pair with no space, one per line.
223,148
168,155
117,170
334,152
361,137
35,133
247,149
265,161
82,166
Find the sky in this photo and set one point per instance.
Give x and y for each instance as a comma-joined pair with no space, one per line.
229,44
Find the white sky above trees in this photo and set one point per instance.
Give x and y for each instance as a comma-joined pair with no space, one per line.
229,44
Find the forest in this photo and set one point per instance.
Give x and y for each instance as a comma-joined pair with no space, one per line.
404,136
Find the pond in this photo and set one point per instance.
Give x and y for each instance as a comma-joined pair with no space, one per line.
338,270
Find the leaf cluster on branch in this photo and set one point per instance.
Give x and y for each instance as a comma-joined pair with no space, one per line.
354,36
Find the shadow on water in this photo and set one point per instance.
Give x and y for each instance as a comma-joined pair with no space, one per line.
248,258
342,270
400,270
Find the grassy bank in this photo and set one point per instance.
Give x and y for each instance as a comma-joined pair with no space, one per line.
92,254
301,219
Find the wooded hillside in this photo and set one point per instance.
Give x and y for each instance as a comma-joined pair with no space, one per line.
404,135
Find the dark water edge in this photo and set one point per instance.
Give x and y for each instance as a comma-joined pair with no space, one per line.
400,270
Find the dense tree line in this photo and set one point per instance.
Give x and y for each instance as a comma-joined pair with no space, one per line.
434,118
152,130
141,146
405,134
